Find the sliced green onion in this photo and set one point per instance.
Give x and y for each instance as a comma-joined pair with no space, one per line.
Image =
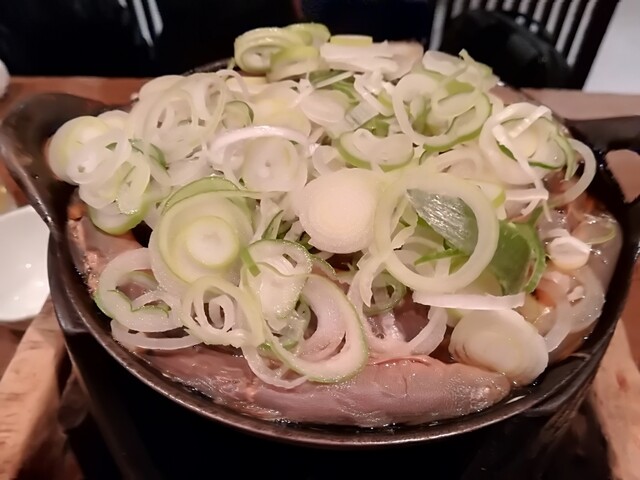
596,231
150,150
329,304
363,149
337,210
254,49
438,255
379,126
384,281
118,306
347,88
292,61
237,114
116,222
463,128
189,244
69,138
249,262
204,185
422,188
283,267
314,34
351,40
271,232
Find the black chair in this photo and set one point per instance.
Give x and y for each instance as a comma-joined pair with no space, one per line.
574,27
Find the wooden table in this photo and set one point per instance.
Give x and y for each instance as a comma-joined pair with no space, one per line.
616,392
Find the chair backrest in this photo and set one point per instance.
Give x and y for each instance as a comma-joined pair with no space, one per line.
575,27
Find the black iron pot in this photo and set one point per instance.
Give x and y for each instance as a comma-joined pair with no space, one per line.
531,423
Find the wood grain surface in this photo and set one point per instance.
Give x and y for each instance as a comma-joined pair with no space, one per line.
29,392
616,400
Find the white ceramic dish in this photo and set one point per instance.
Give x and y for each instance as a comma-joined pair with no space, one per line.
24,285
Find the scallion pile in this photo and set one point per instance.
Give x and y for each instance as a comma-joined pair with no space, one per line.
311,191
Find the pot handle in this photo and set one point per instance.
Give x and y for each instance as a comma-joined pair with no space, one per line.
23,135
608,134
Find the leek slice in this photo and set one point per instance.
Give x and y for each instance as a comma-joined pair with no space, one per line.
542,143
189,244
115,304
204,185
237,114
292,61
254,49
438,255
379,126
69,138
311,33
273,227
272,164
283,267
116,223
383,282
351,40
330,304
463,128
426,184
150,150
337,210
363,149
347,88
502,341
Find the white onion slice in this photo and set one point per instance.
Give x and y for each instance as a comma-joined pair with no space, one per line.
325,107
263,369
562,316
248,327
441,184
568,253
272,164
220,142
118,306
588,174
502,341
517,172
587,310
326,159
140,340
330,304
409,87
363,88
470,301
526,195
428,339
337,210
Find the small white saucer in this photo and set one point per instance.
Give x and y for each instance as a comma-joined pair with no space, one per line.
24,285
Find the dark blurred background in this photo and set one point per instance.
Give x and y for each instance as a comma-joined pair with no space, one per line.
118,38
535,43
